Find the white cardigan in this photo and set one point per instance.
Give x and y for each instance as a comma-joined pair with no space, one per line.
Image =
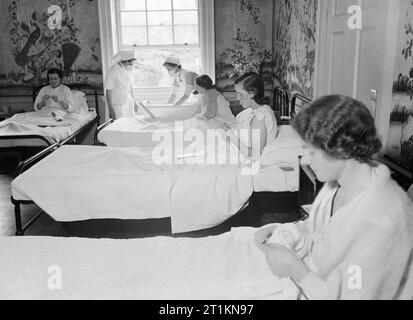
372,234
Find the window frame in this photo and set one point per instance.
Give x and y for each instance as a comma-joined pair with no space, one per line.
150,46
110,41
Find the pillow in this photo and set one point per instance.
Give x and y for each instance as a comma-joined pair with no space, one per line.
80,101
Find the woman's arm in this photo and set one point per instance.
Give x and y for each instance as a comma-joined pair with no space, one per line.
40,100
182,100
112,114
135,106
367,270
189,86
257,134
211,108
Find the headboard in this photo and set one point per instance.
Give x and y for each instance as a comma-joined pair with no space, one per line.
88,89
281,105
298,101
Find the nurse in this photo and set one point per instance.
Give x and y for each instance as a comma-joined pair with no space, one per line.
118,85
184,81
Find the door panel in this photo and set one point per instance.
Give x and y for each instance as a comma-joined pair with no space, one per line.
355,57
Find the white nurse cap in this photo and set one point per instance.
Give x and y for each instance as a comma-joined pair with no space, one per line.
173,60
125,55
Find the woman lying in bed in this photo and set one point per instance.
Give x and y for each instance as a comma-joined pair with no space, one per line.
358,240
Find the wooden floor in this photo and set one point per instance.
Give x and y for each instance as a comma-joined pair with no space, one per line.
116,229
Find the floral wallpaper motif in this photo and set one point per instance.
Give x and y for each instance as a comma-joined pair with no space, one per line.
245,41
30,47
294,44
400,138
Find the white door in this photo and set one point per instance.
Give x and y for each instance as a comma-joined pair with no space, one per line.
351,61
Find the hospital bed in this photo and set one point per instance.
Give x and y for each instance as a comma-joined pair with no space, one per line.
138,131
35,130
78,183
227,266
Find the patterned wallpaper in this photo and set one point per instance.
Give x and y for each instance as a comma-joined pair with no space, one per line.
400,137
294,44
243,39
38,35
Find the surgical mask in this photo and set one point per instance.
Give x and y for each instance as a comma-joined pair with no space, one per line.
172,73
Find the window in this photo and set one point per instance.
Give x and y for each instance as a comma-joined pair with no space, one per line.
158,23
142,25
157,29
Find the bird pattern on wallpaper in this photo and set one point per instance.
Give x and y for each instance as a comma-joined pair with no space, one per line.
399,146
294,44
36,47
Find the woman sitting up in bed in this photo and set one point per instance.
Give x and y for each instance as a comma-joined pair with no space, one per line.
358,240
255,127
55,97
213,103
213,111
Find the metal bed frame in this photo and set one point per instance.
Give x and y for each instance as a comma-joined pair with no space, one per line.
298,100
72,138
281,104
260,201
50,147
99,129
23,166
248,215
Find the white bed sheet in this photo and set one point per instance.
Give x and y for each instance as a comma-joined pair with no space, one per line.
168,112
141,132
77,183
83,182
228,266
43,124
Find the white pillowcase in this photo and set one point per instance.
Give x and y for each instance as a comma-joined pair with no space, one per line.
80,101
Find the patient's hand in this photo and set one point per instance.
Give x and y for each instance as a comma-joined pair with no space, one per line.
264,233
225,126
45,98
200,116
55,98
284,263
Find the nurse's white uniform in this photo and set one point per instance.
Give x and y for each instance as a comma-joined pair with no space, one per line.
120,81
180,87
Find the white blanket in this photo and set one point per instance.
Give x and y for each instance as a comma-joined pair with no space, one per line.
83,182
140,132
228,266
42,124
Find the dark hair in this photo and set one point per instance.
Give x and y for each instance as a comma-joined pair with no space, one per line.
55,71
173,65
204,81
253,83
340,126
